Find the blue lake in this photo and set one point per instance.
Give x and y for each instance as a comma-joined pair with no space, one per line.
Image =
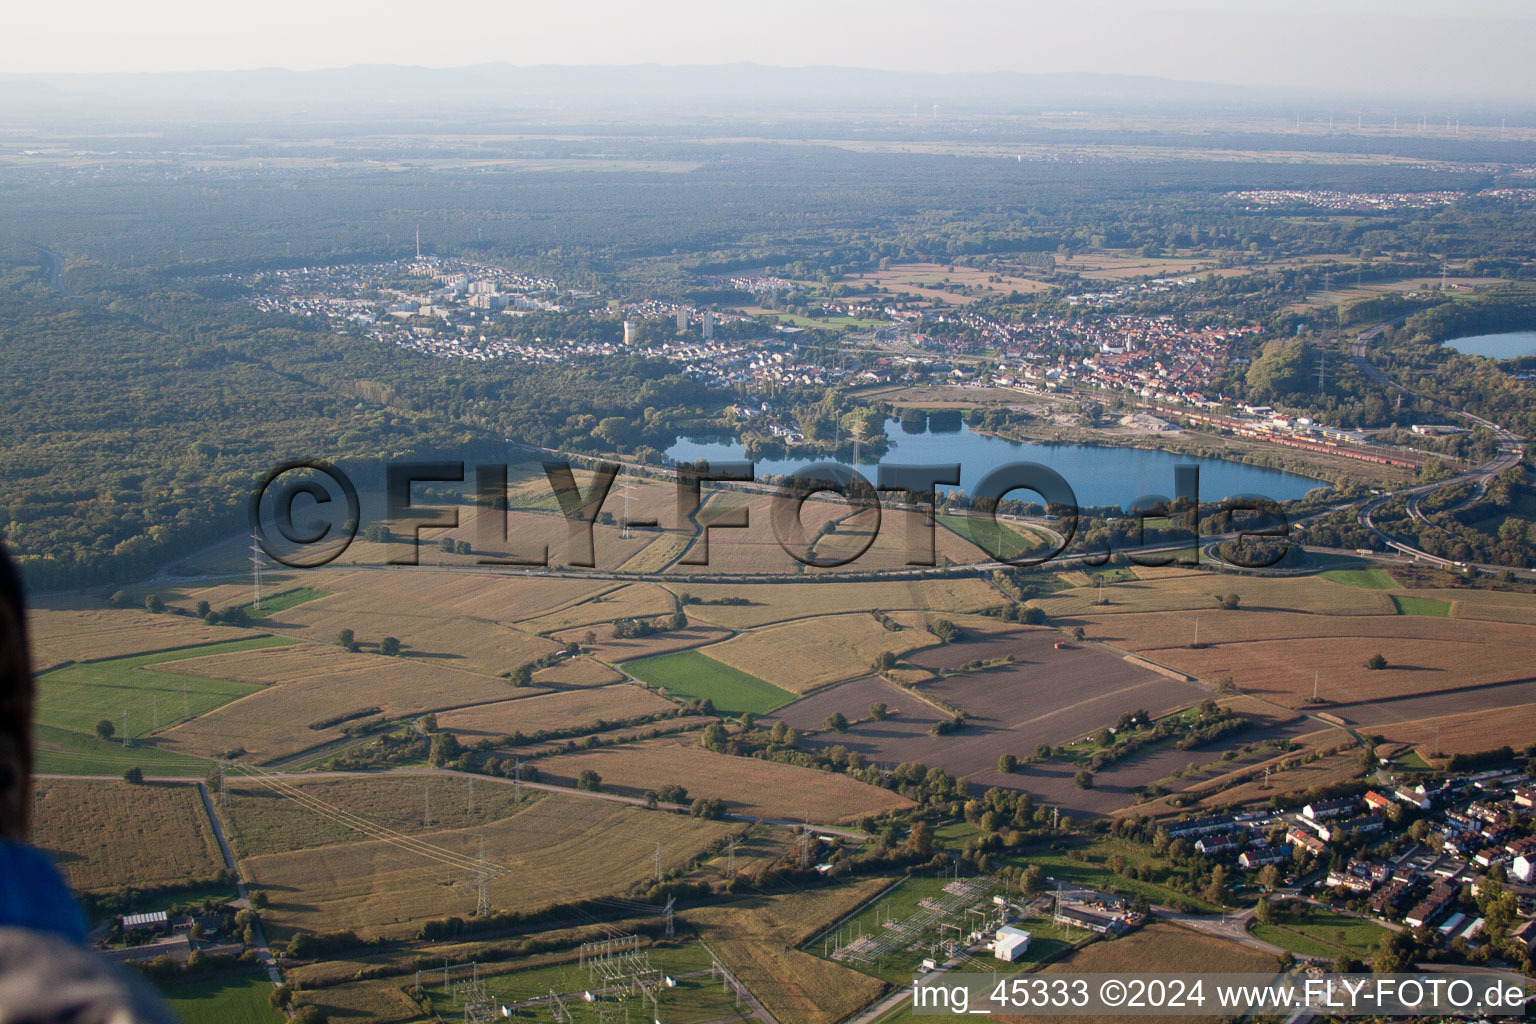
1098,475
1497,346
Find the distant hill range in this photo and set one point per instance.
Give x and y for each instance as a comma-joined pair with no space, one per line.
725,87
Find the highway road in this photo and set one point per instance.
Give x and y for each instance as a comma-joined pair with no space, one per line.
1511,449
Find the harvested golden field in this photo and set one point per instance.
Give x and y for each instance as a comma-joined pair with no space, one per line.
186,595
90,634
749,786
1165,948
459,617
1177,590
577,672
901,536
757,943
604,647
529,534
553,712
939,280
1466,733
664,549
753,549
103,835
554,850
263,816
780,602
269,666
637,600
1158,948
286,717
802,655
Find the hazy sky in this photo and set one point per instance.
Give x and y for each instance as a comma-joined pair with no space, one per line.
1445,47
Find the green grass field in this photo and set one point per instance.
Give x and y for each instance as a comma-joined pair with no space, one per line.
281,602
1316,932
223,999
77,696
1422,606
691,674
62,752
1002,539
1370,579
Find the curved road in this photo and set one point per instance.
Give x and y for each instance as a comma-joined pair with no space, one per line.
1511,449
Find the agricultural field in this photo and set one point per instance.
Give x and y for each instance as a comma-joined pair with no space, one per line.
769,603
747,785
1159,948
378,1002
1114,266
1368,578
577,672
65,752
1512,725
665,548
753,549
76,697
107,834
637,600
603,646
803,655
692,674
553,712
263,816
1496,606
1045,695
310,689
621,734
937,281
901,537
1174,589
552,850
1165,948
758,943
459,617
1273,653
1004,539
1245,785
61,634
1410,604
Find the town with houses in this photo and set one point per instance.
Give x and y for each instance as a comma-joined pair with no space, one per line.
1428,858
460,309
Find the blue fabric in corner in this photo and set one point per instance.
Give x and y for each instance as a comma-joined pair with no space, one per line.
33,895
